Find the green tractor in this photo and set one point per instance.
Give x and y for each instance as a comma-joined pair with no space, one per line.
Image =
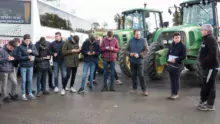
145,19
194,13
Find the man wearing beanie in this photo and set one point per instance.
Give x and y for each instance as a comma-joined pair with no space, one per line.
26,56
208,59
7,68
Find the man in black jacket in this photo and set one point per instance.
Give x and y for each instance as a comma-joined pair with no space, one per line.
208,59
42,62
58,60
7,68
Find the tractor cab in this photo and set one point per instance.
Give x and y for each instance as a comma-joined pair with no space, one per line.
193,14
146,20
201,12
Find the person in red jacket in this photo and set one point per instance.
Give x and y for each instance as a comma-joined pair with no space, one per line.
109,49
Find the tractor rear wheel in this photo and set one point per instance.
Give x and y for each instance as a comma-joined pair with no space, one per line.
154,71
191,67
124,61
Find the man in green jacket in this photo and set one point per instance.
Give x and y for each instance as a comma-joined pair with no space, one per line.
71,52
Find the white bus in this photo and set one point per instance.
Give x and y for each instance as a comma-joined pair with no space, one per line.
39,19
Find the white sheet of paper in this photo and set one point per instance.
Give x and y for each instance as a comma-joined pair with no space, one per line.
171,57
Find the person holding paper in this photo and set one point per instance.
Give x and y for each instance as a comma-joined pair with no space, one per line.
42,63
7,71
176,54
209,61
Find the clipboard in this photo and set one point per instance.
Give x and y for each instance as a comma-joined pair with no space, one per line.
171,57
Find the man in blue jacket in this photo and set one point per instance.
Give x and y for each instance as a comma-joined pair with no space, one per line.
58,59
7,72
26,54
90,50
137,49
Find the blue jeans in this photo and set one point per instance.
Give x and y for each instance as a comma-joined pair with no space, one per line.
86,67
41,80
26,72
112,68
57,66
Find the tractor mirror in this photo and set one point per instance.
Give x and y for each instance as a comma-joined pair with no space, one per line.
166,24
146,14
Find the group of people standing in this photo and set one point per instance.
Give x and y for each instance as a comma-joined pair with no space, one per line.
66,58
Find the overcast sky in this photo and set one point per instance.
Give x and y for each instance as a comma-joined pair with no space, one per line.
104,10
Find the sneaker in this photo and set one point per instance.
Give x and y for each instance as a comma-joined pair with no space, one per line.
56,90
90,87
145,93
112,90
105,88
73,90
81,90
133,91
23,97
94,82
7,100
201,104
62,92
118,82
51,87
210,108
31,96
87,84
46,93
38,94
174,97
66,88
14,97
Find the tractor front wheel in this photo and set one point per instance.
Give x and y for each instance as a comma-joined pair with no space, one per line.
124,62
154,71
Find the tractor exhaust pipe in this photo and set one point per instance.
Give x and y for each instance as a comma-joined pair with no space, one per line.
145,4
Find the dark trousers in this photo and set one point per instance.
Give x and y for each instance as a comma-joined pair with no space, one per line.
69,70
137,70
50,76
208,87
41,80
175,82
116,75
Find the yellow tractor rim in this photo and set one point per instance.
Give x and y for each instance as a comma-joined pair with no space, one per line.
127,62
159,68
100,64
